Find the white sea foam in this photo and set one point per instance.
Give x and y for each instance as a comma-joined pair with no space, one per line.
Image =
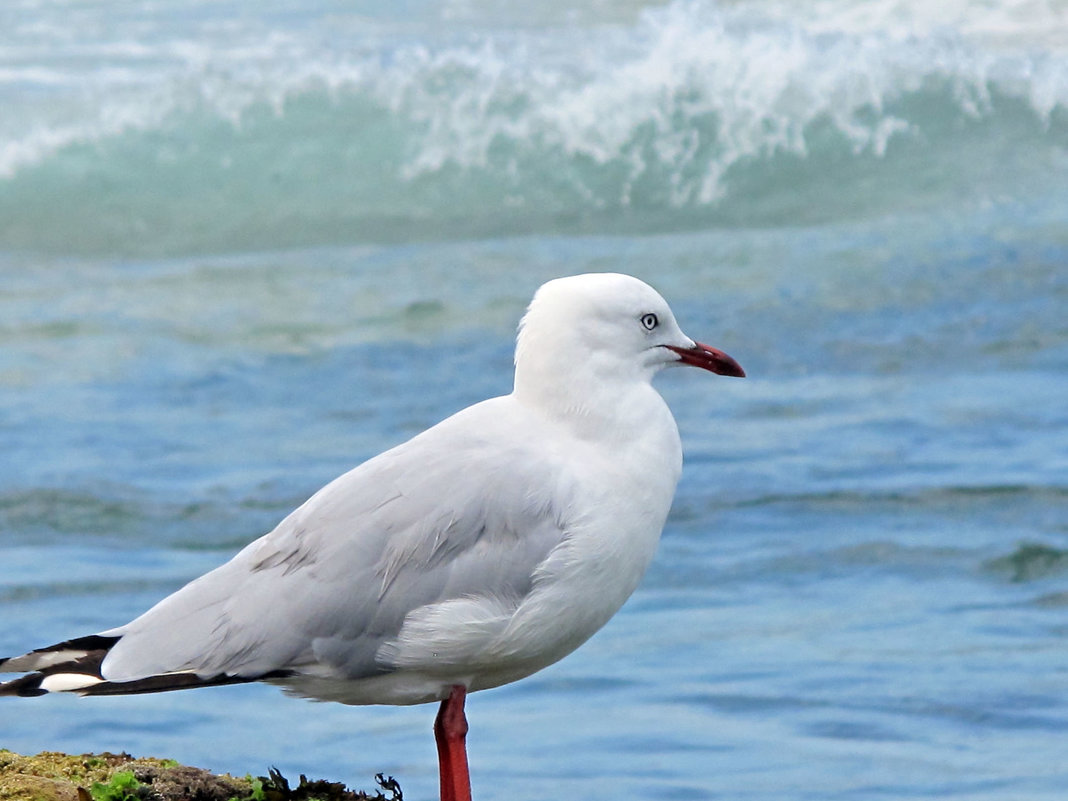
764,70
670,107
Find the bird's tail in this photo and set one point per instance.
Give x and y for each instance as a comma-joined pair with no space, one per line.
75,666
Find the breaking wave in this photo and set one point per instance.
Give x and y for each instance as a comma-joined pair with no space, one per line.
676,116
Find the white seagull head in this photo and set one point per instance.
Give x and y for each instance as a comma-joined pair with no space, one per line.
584,335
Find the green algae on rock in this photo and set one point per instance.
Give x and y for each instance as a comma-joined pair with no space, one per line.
51,776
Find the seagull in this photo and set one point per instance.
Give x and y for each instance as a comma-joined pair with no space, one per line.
475,554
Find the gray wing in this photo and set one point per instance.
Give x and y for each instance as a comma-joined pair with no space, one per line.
467,509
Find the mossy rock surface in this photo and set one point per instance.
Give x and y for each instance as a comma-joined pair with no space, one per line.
51,776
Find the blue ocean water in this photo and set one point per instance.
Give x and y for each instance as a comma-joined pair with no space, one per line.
246,246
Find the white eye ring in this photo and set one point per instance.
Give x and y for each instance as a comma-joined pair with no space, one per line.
650,321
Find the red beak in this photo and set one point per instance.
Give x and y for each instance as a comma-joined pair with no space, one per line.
709,358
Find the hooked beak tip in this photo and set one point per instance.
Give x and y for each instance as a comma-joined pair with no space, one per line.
709,358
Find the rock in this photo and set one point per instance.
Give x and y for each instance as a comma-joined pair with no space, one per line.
51,776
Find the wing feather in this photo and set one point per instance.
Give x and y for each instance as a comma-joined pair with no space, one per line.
448,517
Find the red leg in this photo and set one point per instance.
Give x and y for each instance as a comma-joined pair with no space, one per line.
450,732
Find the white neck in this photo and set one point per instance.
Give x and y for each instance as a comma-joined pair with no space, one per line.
601,401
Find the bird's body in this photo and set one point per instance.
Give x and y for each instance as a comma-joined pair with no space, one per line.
405,576
478,552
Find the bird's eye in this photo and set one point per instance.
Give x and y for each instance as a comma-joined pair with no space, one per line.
650,321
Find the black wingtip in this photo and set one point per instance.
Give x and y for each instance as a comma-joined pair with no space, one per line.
79,655
174,681
24,686
30,686
75,666
92,642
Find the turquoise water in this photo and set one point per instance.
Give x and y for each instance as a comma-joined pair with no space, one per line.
245,247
